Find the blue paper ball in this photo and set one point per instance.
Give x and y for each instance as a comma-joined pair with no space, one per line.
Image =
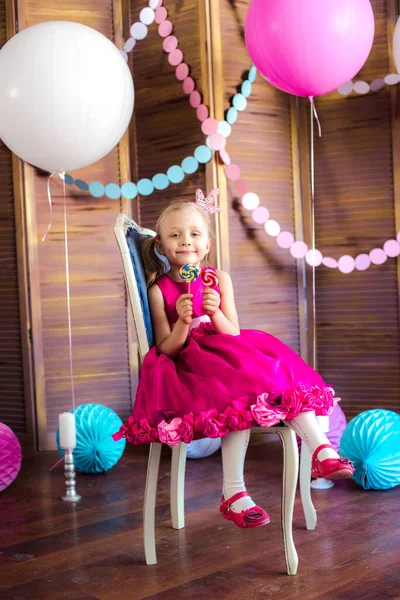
95,450
372,441
202,448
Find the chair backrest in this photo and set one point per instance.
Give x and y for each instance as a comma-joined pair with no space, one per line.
129,237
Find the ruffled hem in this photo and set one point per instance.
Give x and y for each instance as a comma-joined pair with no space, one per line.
268,410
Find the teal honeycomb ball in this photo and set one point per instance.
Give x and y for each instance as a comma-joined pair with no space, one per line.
95,450
372,441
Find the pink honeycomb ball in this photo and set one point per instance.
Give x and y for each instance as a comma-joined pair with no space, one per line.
10,456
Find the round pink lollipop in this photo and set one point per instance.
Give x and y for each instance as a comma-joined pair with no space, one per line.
209,277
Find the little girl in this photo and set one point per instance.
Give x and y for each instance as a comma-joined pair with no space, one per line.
207,378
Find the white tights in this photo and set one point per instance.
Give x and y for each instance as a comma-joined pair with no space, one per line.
234,447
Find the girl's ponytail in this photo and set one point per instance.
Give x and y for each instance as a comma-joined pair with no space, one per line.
153,266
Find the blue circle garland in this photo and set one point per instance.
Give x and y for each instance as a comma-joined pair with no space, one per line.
232,115
175,173
145,187
160,181
190,165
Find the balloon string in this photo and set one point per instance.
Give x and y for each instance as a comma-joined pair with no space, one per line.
312,173
68,297
314,110
50,205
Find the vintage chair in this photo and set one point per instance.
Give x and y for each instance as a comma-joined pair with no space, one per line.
129,235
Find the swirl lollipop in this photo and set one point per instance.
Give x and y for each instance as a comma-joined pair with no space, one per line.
209,277
189,273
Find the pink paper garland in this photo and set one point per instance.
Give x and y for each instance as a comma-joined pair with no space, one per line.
298,249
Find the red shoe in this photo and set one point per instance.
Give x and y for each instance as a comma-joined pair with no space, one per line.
247,519
331,468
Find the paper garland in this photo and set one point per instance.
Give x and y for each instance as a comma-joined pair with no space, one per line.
217,133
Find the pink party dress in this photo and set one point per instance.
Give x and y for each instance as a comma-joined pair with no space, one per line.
218,382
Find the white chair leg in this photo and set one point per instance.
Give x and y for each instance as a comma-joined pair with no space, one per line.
178,467
310,513
150,504
289,484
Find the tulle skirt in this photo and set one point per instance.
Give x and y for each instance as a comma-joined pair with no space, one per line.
220,383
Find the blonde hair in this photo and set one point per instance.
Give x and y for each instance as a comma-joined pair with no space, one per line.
154,267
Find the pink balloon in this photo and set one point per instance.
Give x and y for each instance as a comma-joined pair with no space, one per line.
309,47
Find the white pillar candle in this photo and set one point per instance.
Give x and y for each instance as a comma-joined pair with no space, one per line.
67,430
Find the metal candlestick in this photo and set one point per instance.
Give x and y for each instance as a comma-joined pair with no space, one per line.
69,472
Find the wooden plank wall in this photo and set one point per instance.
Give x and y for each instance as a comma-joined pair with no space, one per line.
265,277
167,129
12,401
358,335
357,315
98,301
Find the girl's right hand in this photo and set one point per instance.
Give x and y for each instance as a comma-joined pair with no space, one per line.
184,308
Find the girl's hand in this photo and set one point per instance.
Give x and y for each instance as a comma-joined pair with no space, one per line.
184,308
211,301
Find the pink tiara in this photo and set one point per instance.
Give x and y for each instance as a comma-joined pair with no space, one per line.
208,204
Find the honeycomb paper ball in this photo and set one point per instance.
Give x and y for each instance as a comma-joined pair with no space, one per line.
372,441
202,448
337,425
95,450
10,456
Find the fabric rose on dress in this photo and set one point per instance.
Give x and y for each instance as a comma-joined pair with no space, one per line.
268,410
327,397
235,420
169,433
306,398
127,430
210,425
186,428
145,433
292,402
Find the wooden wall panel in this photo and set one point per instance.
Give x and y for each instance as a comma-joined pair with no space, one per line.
167,129
12,401
98,300
357,315
358,343
264,276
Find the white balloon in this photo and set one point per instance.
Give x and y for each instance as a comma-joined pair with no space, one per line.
396,46
66,95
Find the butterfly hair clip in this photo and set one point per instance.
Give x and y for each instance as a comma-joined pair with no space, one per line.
209,204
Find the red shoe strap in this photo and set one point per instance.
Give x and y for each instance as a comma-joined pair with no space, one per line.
227,503
321,447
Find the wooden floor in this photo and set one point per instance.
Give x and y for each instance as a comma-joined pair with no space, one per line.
51,550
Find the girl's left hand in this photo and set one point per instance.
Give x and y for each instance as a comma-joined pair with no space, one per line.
211,301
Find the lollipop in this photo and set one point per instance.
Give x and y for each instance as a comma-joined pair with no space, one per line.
189,273
209,277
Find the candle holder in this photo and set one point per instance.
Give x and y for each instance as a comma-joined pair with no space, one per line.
69,472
